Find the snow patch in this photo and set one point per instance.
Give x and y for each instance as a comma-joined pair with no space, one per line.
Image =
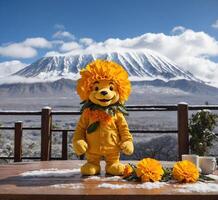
147,185
198,187
53,172
106,179
69,186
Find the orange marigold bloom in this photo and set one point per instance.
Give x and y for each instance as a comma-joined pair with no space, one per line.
128,170
103,70
185,171
97,115
149,169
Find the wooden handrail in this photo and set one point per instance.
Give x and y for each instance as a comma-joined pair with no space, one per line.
164,107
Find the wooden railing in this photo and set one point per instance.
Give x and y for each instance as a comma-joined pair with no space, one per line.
46,128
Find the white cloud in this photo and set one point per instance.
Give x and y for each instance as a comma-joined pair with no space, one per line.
86,41
24,49
10,67
52,53
17,50
215,24
38,42
63,34
178,29
69,46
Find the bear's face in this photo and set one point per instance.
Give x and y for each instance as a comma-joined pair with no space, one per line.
104,93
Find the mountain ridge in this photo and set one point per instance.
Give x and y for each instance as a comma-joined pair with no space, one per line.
140,65
66,87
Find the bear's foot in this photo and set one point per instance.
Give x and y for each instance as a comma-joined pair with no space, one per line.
115,169
90,169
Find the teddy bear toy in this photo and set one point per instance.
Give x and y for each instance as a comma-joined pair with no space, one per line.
102,131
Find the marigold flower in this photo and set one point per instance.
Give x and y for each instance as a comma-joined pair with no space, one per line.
128,170
185,171
149,170
97,115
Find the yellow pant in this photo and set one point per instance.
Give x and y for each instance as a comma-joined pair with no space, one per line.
113,166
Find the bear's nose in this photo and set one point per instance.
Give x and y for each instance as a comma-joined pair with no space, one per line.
103,93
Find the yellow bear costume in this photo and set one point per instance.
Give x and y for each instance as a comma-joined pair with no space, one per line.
102,131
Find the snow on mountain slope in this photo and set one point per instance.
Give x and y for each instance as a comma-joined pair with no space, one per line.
140,64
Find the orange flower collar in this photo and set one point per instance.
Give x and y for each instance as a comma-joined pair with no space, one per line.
99,114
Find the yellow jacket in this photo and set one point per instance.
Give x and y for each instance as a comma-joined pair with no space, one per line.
107,138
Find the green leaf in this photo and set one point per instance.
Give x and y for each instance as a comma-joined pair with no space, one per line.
123,110
167,174
87,104
204,178
92,127
110,111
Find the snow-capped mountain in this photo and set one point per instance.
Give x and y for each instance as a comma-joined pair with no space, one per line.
57,75
141,65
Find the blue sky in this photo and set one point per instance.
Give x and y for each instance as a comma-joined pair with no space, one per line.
102,19
31,29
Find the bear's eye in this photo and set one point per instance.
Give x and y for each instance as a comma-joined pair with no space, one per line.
111,88
96,88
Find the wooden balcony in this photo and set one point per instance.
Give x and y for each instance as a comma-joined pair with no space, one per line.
15,186
46,114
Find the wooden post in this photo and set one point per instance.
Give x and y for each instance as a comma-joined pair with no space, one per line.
46,123
64,145
183,135
18,141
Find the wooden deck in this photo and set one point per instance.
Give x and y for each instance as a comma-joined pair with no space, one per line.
15,186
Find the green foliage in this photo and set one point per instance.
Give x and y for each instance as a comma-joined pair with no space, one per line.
110,110
201,127
92,127
55,126
167,176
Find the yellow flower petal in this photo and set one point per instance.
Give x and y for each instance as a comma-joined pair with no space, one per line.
149,169
185,171
128,170
103,70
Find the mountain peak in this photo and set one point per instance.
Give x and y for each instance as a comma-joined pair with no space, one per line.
140,65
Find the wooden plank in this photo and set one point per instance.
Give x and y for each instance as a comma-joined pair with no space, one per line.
18,141
24,128
64,145
15,186
107,197
200,107
183,135
20,112
46,123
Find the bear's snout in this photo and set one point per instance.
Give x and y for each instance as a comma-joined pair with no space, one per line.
103,93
